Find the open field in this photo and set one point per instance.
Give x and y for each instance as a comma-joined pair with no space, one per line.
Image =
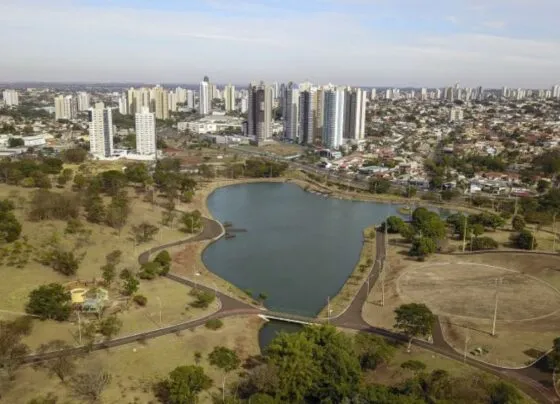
462,290
278,148
135,367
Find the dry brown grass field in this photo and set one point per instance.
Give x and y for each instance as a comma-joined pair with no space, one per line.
461,290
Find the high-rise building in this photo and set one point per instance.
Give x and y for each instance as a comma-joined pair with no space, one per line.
389,94
65,107
10,97
505,92
333,126
556,91
123,105
259,120
456,114
83,101
354,114
229,97
190,99
181,95
307,115
145,132
373,94
100,131
160,102
291,115
320,115
244,105
204,101
172,101
424,94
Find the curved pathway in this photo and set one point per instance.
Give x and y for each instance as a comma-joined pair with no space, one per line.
535,380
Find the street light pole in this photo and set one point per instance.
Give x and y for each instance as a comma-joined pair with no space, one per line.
495,307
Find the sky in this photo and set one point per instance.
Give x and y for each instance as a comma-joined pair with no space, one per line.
420,43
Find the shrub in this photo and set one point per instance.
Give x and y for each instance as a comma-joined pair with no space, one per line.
203,298
518,223
149,270
524,240
140,300
214,324
422,247
483,243
394,224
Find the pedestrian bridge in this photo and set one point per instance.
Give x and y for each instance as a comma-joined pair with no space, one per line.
291,318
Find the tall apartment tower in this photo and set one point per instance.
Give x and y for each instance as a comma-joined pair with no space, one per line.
291,116
83,101
307,115
204,101
10,97
355,114
100,131
65,107
160,103
259,120
145,132
181,94
229,97
333,126
123,104
190,99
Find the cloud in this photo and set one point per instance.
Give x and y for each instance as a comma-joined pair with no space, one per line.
356,42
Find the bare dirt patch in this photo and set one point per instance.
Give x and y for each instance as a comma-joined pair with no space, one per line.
461,290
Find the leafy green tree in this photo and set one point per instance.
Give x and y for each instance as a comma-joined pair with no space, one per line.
12,349
379,186
407,232
483,243
372,350
504,393
112,182
137,173
118,210
394,224
225,359
524,240
149,270
184,384
477,229
144,232
542,186
414,320
130,283
76,155
50,302
164,260
110,326
15,142
203,298
414,365
518,223
191,221
554,355
422,247
428,224
10,228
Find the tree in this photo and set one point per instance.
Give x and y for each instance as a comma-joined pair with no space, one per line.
164,260
62,365
50,302
483,243
76,155
504,393
414,365
109,270
149,270
554,355
90,384
542,186
144,232
118,210
10,228
15,142
477,229
12,349
130,284
407,232
137,173
110,326
226,360
518,223
394,224
184,384
524,240
414,320
65,262
372,350
192,222
379,186
203,298
422,247
112,182
428,224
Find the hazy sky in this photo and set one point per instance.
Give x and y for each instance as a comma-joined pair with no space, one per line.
354,42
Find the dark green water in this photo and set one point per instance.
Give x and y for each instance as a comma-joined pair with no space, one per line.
299,248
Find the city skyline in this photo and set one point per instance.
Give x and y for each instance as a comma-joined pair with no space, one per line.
356,42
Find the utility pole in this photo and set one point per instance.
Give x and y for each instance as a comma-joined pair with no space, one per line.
465,233
554,232
328,309
495,307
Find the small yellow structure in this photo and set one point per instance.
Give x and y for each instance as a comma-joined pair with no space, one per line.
78,295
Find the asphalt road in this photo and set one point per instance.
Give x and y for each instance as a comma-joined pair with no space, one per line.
536,381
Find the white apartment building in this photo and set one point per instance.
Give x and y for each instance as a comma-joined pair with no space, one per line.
83,101
291,112
10,97
190,99
145,124
229,97
355,114
100,131
172,101
181,95
455,114
123,105
204,101
65,107
259,119
333,125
